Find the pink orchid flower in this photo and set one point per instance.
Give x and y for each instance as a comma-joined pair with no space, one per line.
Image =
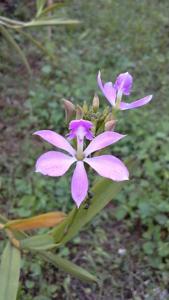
114,92
80,129
55,163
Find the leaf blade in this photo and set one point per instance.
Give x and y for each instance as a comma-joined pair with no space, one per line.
69,267
51,8
41,221
9,272
39,6
38,242
50,22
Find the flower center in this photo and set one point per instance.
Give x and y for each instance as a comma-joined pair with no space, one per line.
80,156
80,129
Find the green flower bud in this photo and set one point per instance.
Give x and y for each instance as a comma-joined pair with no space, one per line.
95,103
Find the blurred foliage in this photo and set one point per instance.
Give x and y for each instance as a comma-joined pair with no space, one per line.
42,17
114,37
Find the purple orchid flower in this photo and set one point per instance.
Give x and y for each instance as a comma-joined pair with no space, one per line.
54,163
114,92
80,129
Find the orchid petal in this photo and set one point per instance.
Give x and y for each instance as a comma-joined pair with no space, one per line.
135,104
56,139
107,89
53,163
124,83
79,184
103,140
109,166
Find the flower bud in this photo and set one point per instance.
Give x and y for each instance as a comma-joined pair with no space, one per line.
85,108
95,103
79,112
110,125
69,109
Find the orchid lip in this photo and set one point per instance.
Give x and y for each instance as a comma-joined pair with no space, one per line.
80,129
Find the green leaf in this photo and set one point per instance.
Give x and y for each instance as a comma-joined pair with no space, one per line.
38,242
52,7
9,272
69,267
11,41
50,22
145,209
121,212
163,249
161,219
39,6
148,248
104,191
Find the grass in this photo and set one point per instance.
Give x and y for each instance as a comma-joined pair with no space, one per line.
114,37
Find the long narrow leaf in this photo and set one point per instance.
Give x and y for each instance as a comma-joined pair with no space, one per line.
103,191
68,267
10,40
9,273
51,8
50,22
39,6
41,221
38,242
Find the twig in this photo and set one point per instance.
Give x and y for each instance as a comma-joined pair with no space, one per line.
49,3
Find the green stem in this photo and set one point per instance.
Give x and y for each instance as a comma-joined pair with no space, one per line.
70,222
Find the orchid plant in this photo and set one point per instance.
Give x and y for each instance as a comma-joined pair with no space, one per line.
90,130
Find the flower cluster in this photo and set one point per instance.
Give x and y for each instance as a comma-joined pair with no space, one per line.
56,163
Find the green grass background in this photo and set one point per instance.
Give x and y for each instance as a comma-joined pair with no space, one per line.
114,37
